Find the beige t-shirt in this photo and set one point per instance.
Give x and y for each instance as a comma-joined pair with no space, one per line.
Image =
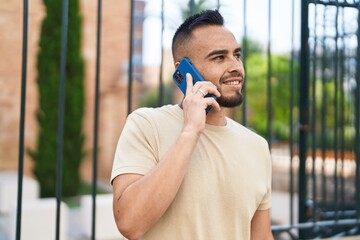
228,179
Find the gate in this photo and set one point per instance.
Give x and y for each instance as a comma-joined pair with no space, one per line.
329,86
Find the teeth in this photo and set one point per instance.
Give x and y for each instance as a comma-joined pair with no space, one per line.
232,83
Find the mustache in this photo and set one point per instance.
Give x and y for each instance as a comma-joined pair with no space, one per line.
232,75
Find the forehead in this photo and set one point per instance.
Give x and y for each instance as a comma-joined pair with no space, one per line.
209,38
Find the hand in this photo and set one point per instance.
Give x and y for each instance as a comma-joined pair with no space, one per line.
195,103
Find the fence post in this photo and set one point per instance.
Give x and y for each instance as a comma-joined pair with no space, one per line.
357,121
22,118
304,111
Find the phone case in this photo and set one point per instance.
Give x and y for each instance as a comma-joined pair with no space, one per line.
179,77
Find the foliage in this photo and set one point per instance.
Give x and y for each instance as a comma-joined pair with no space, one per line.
257,97
48,85
251,46
193,7
324,118
151,97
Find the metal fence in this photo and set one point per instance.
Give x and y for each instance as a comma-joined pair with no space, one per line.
328,143
324,135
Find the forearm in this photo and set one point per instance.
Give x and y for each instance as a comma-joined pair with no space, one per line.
145,201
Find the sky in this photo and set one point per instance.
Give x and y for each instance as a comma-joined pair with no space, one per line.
232,10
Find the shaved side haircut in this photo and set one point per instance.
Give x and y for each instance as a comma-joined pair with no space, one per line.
183,33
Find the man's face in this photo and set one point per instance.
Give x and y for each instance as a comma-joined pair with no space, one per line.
216,54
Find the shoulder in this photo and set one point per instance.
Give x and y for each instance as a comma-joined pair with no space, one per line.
148,115
148,112
248,132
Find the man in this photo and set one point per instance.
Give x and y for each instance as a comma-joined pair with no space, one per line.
180,173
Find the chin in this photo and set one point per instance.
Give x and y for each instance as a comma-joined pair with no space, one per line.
230,102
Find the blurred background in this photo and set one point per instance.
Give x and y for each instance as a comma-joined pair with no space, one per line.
71,71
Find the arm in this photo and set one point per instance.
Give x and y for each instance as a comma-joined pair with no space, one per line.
261,225
139,201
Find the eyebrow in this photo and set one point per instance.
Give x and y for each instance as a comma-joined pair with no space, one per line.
220,52
238,50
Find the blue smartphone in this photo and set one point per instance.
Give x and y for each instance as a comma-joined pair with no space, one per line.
179,77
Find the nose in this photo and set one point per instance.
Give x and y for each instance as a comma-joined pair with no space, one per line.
236,64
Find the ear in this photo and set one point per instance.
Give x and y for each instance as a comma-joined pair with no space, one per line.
176,64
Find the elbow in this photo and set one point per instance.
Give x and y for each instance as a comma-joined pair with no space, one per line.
129,229
130,233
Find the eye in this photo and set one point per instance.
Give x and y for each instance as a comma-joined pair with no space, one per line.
237,56
219,57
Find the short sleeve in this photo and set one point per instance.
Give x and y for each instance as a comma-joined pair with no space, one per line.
266,201
136,148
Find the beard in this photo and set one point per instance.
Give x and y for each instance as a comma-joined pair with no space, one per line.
232,101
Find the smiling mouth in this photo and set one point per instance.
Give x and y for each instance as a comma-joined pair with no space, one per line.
231,83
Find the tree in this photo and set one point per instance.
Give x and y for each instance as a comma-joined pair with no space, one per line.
192,8
48,66
256,87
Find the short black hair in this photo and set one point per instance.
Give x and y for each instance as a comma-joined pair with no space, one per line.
206,17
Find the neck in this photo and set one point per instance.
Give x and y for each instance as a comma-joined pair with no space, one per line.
217,118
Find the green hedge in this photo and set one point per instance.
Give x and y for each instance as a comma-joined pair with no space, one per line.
48,66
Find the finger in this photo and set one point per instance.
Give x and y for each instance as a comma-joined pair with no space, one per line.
189,82
207,88
202,92
213,90
211,101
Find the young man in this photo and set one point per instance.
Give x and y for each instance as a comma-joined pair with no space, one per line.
180,173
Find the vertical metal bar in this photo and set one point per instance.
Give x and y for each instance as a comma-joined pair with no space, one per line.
313,116
59,160
245,47
342,113
304,111
131,49
96,120
161,83
357,121
323,117
269,88
336,63
218,5
22,118
291,124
